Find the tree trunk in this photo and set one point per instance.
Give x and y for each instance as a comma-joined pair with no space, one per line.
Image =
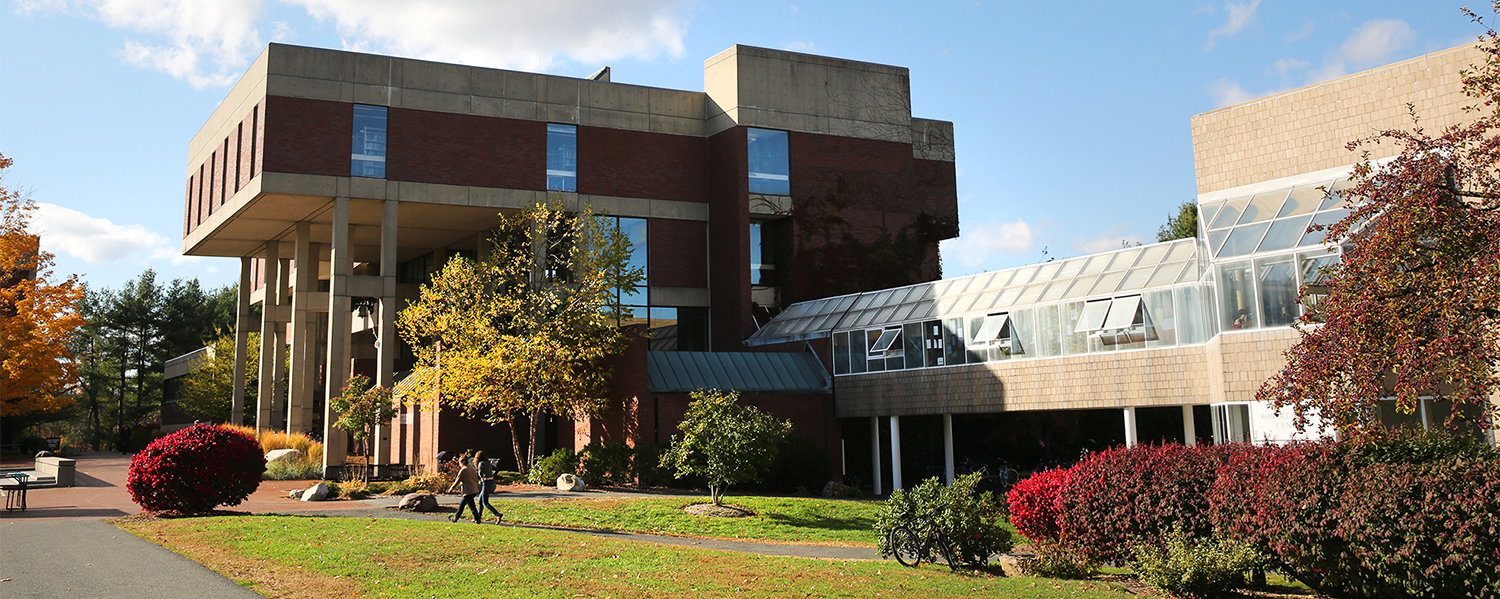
716,493
536,429
515,443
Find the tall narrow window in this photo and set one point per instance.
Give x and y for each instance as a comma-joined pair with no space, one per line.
635,230
562,157
770,171
367,154
762,254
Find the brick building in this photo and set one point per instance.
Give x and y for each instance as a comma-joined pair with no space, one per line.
343,181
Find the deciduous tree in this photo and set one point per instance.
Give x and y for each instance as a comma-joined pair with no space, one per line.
1411,310
1182,225
724,442
523,331
37,318
362,408
207,393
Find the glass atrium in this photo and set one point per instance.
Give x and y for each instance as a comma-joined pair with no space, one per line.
1242,272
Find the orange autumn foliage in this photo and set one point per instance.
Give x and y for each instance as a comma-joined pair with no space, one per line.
37,317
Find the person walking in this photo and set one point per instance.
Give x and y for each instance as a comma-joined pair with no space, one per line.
469,479
486,486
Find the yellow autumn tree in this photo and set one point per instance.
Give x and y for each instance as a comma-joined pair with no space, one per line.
37,318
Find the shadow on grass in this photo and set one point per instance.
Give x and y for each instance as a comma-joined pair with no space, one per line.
821,522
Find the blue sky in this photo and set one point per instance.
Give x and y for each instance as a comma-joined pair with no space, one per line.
1071,118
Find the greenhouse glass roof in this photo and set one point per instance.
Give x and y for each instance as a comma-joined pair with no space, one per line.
1273,220
1094,276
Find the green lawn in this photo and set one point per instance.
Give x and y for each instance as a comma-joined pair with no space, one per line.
779,519
289,556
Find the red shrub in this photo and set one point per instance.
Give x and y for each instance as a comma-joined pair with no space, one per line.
1123,495
1033,504
195,470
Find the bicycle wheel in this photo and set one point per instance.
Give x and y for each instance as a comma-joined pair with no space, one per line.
947,552
906,546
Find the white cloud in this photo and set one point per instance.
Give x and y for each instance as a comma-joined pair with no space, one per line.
202,42
1228,93
97,240
1239,15
800,46
979,241
1372,44
519,35
1302,34
1110,239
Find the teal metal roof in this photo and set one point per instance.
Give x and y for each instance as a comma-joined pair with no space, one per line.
746,372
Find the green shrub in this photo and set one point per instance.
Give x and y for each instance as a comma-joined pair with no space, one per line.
968,518
1055,559
436,482
509,477
547,469
606,463
649,472
800,467
292,470
1194,568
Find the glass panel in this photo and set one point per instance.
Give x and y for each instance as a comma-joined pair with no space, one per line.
994,324
858,362
1284,233
367,152
978,352
762,257
1336,196
953,341
1008,297
1029,295
1107,283
768,155
663,331
1192,310
1124,260
1137,278
841,353
1326,219
1207,212
881,340
1055,290
1180,251
1071,268
932,342
1049,331
1122,313
1163,318
634,229
1278,291
1093,317
1236,297
1080,287
1096,264
1216,239
1303,200
1263,206
1230,214
1243,240
911,334
562,157
1313,269
1044,272
1151,255
1022,334
634,315
1190,273
1166,275
1073,342
1023,276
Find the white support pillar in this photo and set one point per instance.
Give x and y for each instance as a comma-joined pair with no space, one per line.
241,346
386,343
948,447
875,451
335,441
265,395
896,453
1130,431
303,376
1189,427
278,331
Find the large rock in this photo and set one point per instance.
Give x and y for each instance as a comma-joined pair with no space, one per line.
316,492
568,482
294,493
418,502
837,489
283,455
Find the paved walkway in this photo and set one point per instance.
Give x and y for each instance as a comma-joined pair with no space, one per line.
60,547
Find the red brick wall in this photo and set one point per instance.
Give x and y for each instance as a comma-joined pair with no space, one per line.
811,414
309,137
678,253
639,164
461,149
728,239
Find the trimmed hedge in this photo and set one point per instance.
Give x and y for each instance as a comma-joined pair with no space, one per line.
195,470
1034,504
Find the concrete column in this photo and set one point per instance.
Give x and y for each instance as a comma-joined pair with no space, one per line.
241,346
303,376
1130,432
948,447
896,453
386,343
266,394
278,362
875,451
335,441
1189,427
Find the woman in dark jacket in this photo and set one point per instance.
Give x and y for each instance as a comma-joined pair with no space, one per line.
486,485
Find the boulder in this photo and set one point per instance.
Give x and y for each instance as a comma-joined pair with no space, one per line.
568,482
316,492
838,489
418,502
283,455
294,493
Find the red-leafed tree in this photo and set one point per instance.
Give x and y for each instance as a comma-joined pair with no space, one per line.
1413,309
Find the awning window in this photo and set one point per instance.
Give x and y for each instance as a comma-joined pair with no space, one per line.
994,327
887,338
1093,317
1124,314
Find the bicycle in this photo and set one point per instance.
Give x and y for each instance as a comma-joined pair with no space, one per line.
912,548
